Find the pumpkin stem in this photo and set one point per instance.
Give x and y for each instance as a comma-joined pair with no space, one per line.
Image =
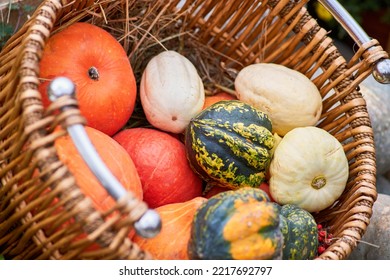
93,73
318,182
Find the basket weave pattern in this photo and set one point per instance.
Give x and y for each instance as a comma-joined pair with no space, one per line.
40,216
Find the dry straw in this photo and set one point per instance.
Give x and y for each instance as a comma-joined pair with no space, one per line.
44,215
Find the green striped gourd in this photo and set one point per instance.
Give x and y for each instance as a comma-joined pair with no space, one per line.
230,144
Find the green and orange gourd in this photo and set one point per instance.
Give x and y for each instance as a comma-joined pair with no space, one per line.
237,225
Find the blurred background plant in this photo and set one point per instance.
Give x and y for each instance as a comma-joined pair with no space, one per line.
13,14
372,15
359,8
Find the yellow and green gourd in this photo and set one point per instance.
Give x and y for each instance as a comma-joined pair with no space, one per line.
237,225
230,144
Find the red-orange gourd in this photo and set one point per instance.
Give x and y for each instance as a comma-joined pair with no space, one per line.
172,241
162,165
214,190
98,65
265,187
115,157
218,189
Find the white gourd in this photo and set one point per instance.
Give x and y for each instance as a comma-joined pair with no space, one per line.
309,169
171,91
287,96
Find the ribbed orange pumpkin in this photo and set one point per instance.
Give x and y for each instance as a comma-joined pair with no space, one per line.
115,157
172,242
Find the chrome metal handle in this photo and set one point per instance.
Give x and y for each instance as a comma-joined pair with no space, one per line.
149,224
381,70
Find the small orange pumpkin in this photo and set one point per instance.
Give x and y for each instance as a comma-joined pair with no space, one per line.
211,99
172,241
98,65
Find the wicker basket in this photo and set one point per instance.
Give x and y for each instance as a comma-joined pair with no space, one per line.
230,34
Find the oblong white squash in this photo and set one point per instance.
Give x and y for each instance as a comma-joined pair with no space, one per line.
171,91
309,169
287,96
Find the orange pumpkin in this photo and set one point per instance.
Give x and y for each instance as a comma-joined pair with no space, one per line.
211,99
114,156
162,165
98,65
172,241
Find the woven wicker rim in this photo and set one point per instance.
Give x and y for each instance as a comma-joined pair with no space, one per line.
231,28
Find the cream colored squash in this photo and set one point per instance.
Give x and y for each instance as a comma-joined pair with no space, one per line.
287,96
171,91
309,169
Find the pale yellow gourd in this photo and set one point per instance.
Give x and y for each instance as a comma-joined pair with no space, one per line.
309,169
171,91
287,96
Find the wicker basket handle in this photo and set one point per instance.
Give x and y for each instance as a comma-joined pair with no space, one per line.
381,69
149,225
